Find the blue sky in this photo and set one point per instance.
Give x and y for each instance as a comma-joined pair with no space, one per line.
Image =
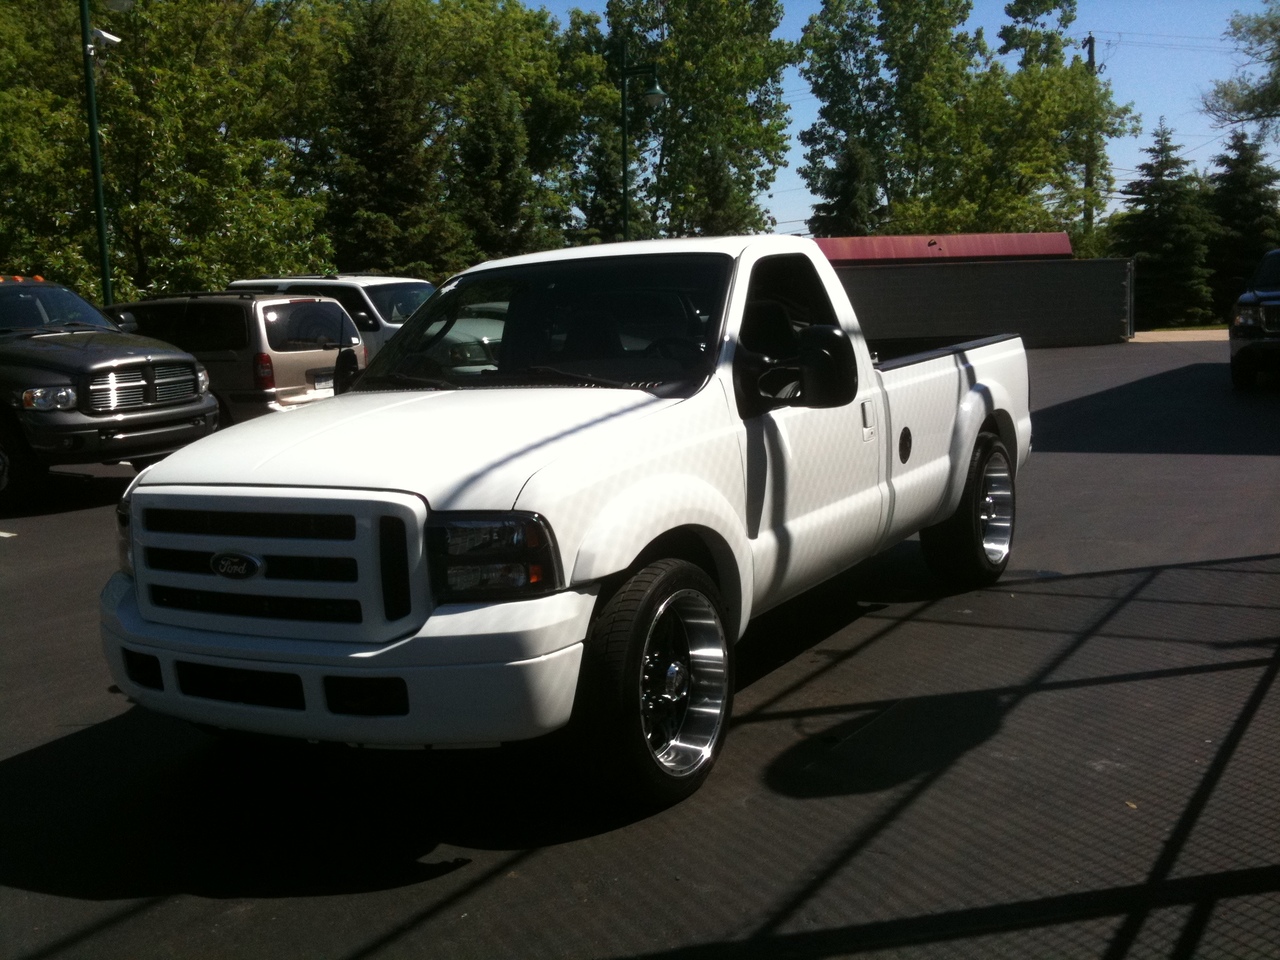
1158,55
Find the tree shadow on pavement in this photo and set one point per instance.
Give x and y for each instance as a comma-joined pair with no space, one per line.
1190,410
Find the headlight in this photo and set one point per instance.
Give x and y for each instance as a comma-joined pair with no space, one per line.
1247,315
490,556
49,398
124,528
202,379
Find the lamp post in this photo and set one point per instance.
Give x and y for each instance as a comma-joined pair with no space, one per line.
87,36
654,96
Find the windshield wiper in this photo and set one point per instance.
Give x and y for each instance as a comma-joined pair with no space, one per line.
567,376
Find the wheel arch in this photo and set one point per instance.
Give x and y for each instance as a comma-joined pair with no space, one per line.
983,409
677,519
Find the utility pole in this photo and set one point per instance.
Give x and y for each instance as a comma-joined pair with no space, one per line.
1088,159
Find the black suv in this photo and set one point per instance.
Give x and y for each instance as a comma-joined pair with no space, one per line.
1255,325
75,388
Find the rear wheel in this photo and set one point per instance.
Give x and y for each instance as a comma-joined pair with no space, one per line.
970,549
1243,375
663,690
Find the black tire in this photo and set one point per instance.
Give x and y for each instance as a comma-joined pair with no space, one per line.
660,683
970,549
1243,375
20,472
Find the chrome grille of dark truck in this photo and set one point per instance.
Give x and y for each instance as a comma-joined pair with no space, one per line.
142,385
311,564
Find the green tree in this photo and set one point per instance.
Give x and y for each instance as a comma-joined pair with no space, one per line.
1165,228
450,138
1036,31
706,158
1253,94
594,178
195,108
956,140
846,147
1245,201
43,167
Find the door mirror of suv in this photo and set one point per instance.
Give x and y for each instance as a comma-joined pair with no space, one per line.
345,370
364,321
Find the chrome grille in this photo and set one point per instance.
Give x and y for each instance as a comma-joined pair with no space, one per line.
324,564
142,385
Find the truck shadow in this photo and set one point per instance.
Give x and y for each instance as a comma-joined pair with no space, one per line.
898,575
66,490
142,806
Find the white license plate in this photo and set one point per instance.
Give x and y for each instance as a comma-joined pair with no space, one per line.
324,383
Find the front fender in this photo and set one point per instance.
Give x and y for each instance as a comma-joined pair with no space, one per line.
644,511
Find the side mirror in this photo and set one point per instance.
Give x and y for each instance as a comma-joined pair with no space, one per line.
346,370
828,369
364,321
125,321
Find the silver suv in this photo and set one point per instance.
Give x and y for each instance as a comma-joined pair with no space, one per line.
378,305
264,351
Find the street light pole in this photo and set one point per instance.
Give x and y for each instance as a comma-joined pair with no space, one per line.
655,96
95,154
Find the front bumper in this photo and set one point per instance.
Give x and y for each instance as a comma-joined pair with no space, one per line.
64,437
472,675
1255,346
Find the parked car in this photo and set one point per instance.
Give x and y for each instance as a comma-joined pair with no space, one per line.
378,305
675,437
74,388
264,352
1255,325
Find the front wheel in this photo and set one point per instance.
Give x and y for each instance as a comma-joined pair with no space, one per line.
970,549
20,472
663,688
1243,375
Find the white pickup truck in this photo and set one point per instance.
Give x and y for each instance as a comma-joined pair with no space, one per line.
560,492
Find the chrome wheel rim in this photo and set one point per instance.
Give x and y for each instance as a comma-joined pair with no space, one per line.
683,683
995,509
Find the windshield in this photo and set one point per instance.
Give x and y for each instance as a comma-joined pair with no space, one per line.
25,307
395,302
640,322
1267,276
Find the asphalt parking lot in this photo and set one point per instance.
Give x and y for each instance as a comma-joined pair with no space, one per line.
1079,762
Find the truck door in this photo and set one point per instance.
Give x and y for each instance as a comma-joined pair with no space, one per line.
813,491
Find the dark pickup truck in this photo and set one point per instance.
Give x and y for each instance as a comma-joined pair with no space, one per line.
1255,325
74,388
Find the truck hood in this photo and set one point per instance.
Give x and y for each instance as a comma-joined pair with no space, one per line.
76,352
461,449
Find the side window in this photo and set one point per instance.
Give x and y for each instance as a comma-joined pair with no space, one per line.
308,326
786,294
351,300
214,326
163,322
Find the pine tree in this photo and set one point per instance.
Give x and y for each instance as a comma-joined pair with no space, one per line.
1166,228
1245,202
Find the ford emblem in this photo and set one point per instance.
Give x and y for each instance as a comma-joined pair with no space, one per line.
235,566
